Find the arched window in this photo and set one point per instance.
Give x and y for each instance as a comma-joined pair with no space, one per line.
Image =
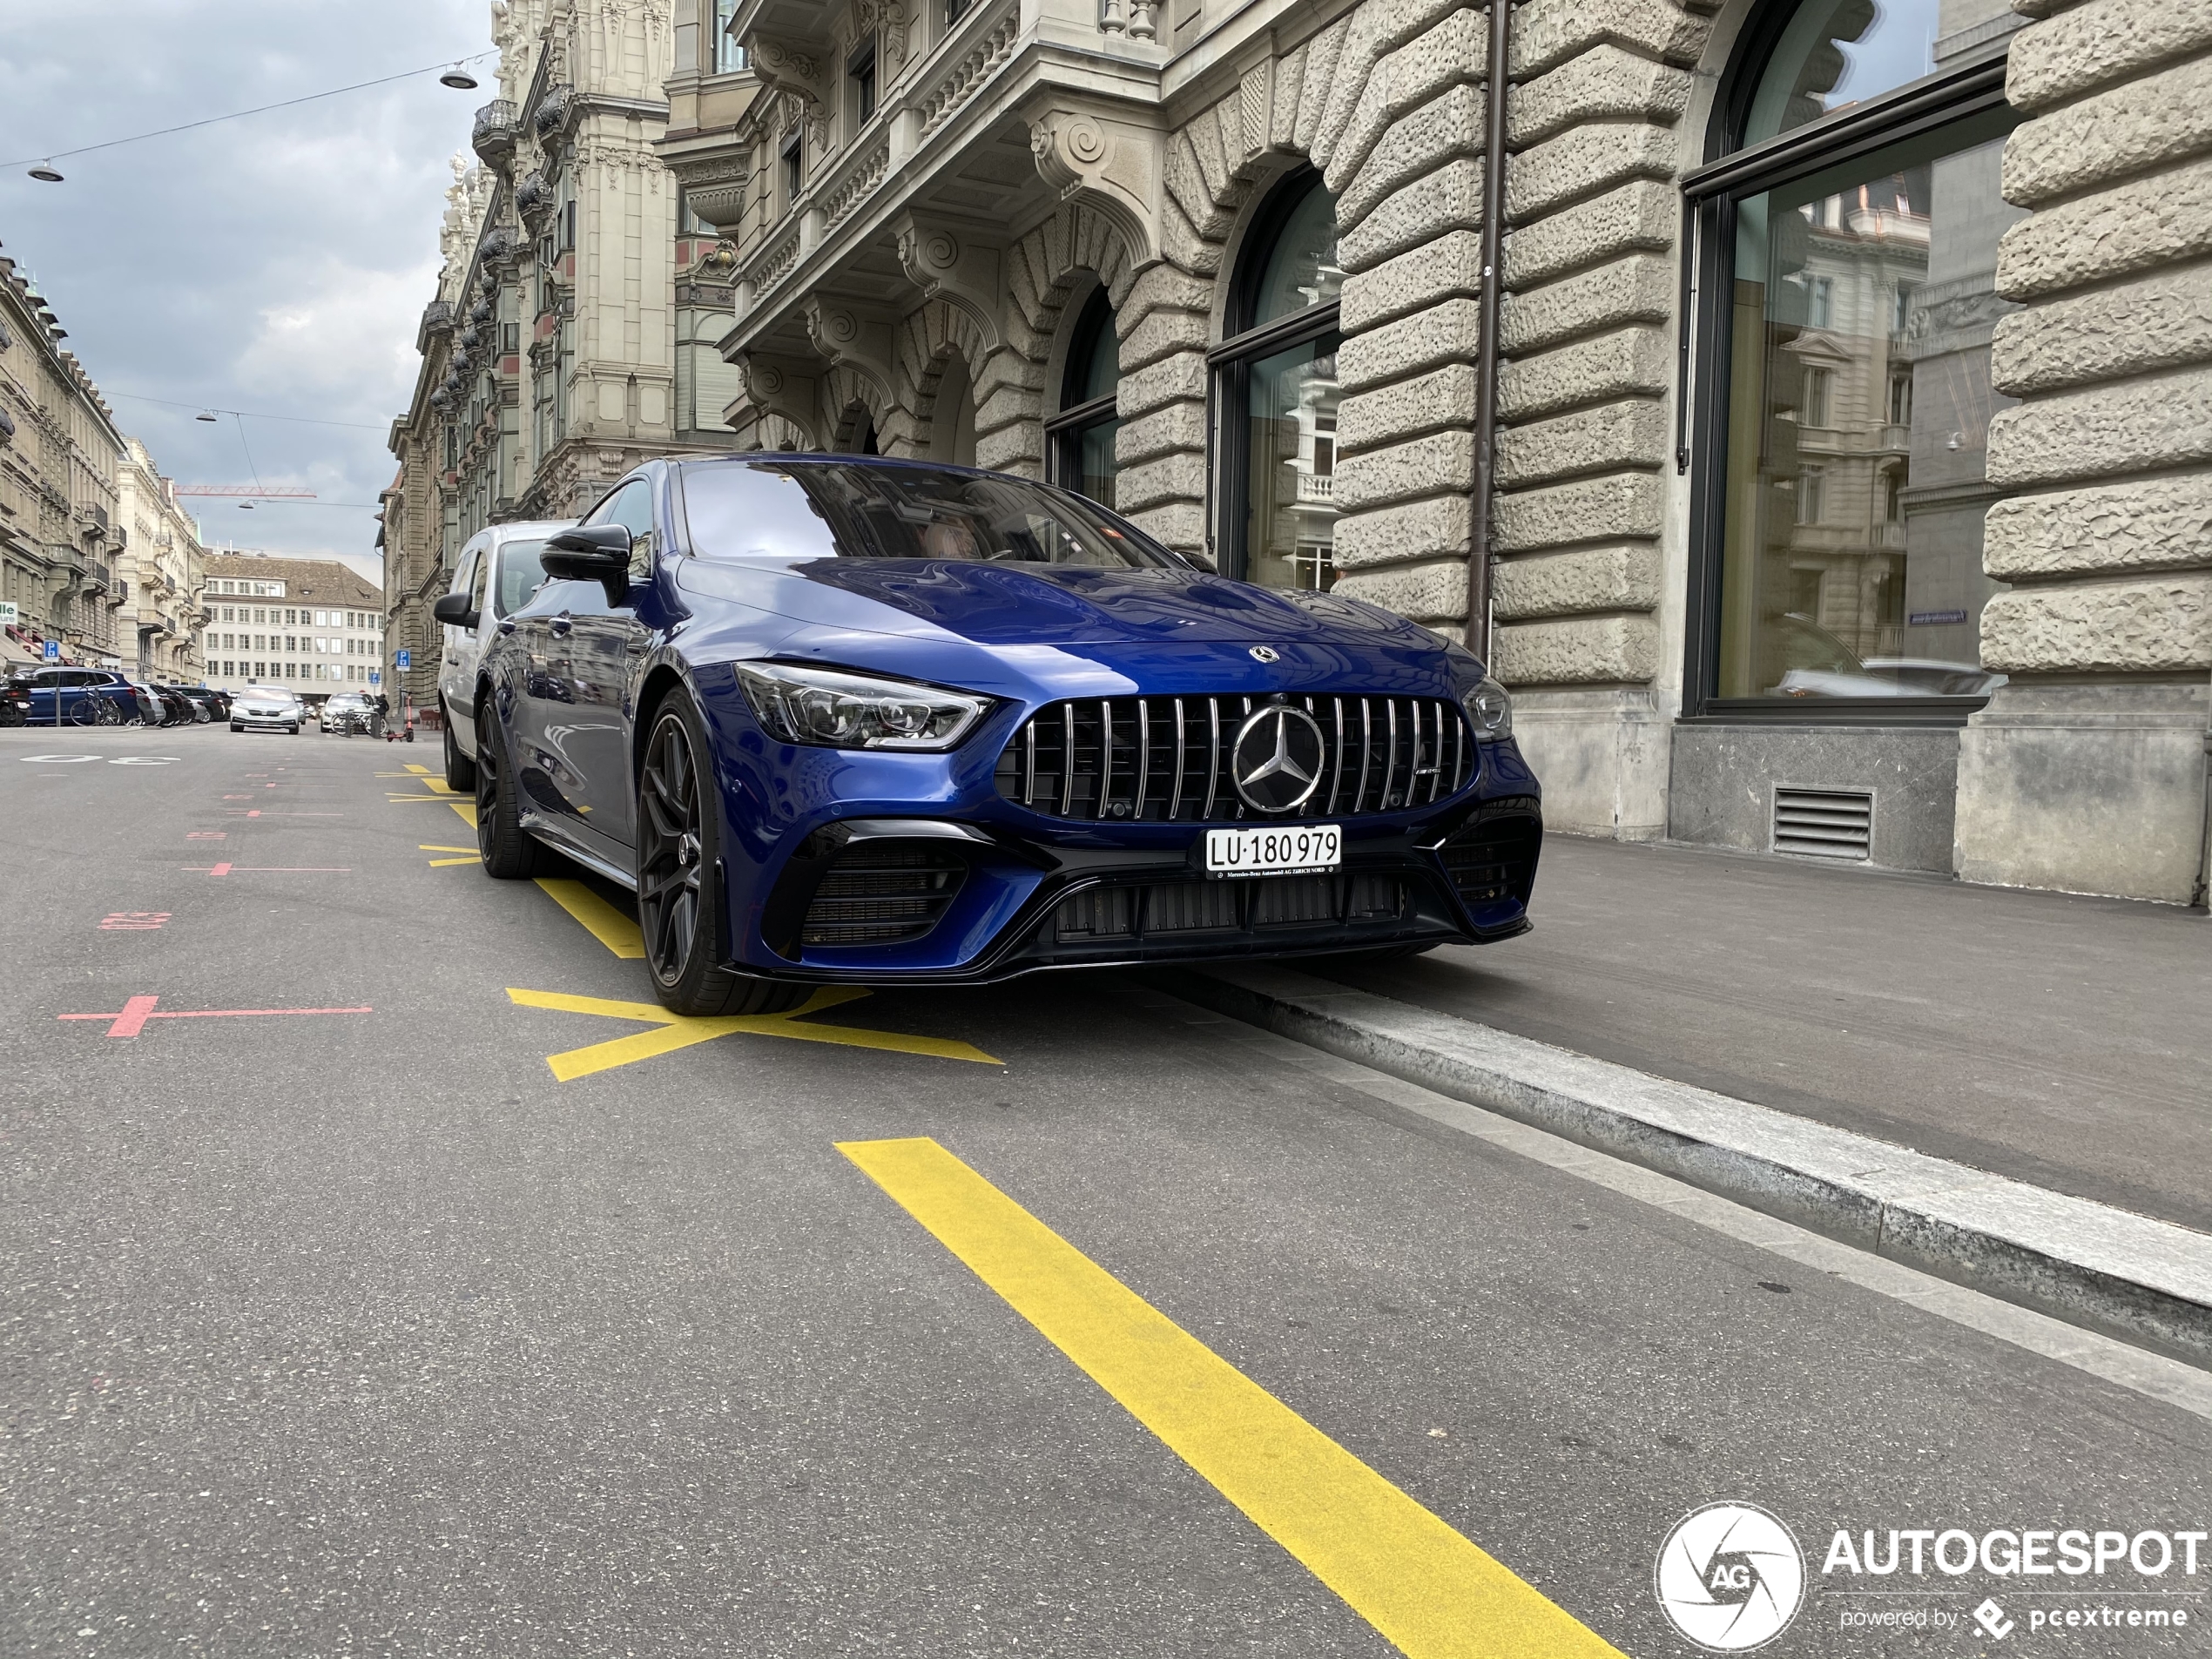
1845,262
1275,395
1080,438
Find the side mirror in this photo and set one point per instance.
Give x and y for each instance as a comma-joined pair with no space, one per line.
590,553
452,609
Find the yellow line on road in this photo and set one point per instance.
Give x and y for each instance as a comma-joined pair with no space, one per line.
678,1031
601,920
1429,1590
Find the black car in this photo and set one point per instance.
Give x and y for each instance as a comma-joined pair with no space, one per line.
216,707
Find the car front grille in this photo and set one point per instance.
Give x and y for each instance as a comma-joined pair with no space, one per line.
882,894
1166,759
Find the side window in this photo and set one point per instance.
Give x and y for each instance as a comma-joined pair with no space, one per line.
632,507
470,558
480,579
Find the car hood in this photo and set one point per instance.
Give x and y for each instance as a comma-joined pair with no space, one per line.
1061,605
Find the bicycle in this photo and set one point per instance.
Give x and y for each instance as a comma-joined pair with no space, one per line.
92,708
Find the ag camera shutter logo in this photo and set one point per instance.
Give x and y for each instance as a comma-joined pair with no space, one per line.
1730,1577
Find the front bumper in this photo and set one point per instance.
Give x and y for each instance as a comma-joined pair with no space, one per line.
993,890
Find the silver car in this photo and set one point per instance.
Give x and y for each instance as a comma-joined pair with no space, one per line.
268,708
497,572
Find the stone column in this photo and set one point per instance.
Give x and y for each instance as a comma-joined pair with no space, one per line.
1586,428
2086,770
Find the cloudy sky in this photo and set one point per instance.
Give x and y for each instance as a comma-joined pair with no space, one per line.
274,265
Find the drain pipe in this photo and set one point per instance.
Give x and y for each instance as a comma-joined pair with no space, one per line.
2202,895
1485,361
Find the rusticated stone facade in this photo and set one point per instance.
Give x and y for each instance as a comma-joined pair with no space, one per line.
2086,770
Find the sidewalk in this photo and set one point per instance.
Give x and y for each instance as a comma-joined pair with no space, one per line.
2062,1042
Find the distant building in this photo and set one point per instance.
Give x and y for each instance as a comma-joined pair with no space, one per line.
60,452
311,624
573,331
160,567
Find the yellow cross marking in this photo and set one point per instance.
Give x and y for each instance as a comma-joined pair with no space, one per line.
439,864
459,803
601,920
675,1031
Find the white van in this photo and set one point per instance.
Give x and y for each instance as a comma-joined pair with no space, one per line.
498,571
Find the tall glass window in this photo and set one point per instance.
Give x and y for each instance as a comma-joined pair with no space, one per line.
1275,396
1081,437
1847,254
729,56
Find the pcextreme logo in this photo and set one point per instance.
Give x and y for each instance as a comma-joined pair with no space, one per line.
1731,1577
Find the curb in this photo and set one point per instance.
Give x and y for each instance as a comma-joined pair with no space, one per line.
2146,1281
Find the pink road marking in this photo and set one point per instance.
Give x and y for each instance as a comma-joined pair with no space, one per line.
132,1019
134,922
208,835
237,798
272,869
138,1009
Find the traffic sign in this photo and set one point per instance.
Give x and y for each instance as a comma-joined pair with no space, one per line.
53,650
403,658
375,676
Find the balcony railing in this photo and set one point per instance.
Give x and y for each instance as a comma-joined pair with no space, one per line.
493,135
1317,486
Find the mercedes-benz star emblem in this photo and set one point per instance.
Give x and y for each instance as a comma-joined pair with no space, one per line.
1277,759
1266,654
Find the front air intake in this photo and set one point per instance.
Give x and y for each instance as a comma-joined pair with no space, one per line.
883,893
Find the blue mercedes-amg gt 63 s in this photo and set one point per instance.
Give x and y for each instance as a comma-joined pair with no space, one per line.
844,719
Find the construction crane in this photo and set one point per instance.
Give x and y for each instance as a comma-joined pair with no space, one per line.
273,492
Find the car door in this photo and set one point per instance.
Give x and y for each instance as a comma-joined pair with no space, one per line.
604,646
456,667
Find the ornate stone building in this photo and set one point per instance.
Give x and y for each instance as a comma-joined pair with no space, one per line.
60,452
573,331
1851,384
161,568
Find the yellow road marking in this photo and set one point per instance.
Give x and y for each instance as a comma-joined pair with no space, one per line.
396,800
601,920
467,811
678,1031
432,846
1430,1591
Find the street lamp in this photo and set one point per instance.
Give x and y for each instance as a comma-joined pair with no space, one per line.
46,173
459,78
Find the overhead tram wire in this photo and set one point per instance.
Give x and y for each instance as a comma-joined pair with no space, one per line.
48,158
250,414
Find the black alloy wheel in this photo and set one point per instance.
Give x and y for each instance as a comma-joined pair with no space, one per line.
679,889
506,848
461,772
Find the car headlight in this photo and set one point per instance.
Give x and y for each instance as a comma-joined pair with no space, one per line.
1491,711
839,710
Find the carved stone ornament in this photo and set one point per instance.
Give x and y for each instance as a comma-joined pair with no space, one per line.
1110,165
852,336
715,185
786,68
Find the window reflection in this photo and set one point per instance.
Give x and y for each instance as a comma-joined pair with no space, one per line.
1291,493
1860,412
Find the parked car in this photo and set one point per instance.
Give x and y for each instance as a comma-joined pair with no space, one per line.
845,718
268,708
173,707
498,570
14,701
210,705
349,714
87,697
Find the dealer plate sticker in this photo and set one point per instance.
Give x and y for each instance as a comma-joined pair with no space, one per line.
1286,851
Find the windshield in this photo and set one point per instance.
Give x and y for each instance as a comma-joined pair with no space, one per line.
270,694
521,574
816,510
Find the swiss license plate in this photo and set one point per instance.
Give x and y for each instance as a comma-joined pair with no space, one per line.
1287,850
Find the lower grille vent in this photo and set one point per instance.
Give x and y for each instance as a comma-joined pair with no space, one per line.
1824,823
1494,856
883,894
1180,907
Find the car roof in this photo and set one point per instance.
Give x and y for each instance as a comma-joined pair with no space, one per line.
825,457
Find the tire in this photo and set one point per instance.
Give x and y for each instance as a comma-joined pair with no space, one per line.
108,714
680,891
235,726
294,730
461,772
506,849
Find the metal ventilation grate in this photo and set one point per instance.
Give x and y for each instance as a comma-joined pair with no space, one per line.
1824,823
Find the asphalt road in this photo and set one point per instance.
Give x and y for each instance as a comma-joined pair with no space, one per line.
362,1333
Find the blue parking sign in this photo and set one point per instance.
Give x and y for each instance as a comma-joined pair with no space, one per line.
403,658
375,676
53,650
